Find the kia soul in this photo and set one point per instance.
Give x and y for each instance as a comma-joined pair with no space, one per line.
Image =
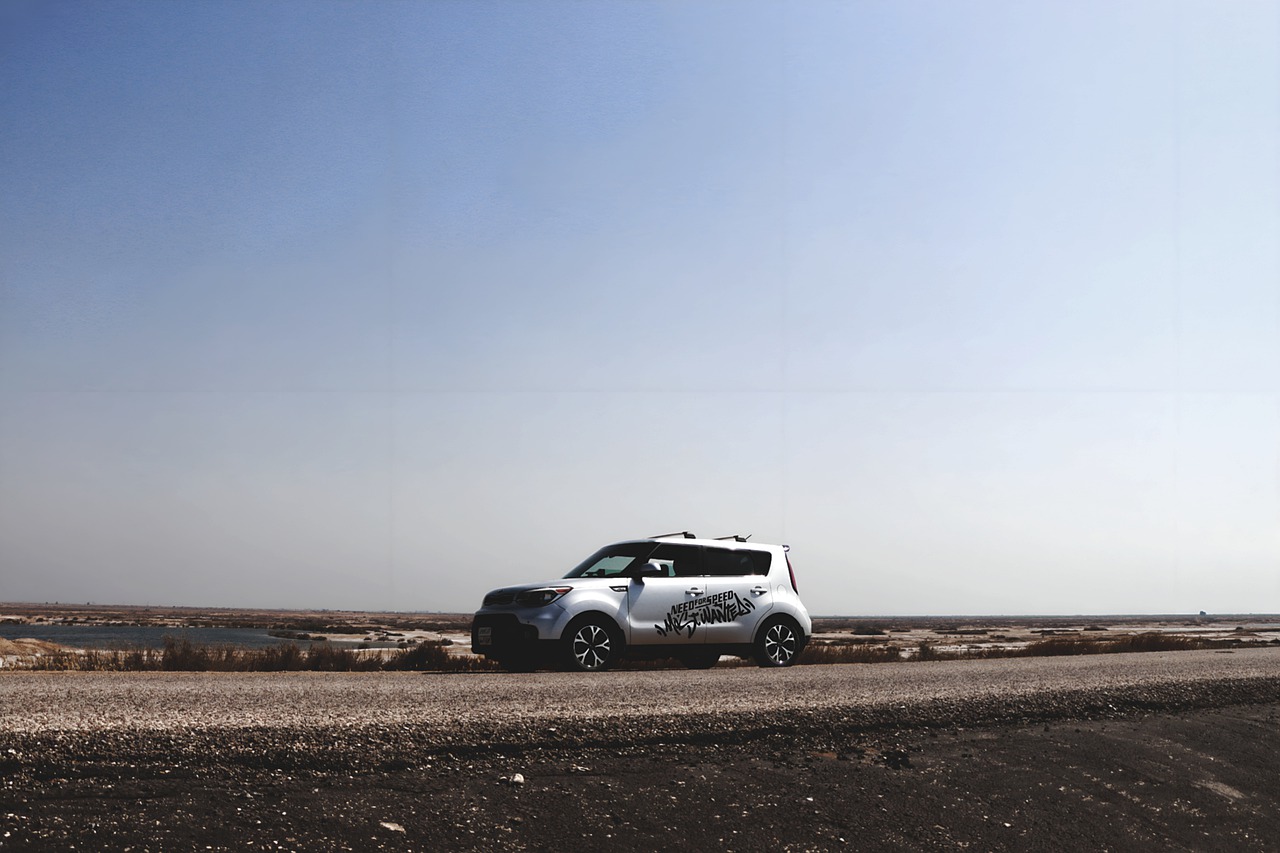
673,596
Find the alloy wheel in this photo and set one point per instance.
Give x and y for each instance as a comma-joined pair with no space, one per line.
780,643
592,647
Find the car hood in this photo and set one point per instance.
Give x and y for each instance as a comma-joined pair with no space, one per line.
576,583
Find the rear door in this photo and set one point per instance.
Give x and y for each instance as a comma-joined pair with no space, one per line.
661,610
738,593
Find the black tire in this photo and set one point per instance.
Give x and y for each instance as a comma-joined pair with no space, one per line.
701,659
779,642
591,644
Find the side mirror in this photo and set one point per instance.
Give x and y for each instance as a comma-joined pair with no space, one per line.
651,570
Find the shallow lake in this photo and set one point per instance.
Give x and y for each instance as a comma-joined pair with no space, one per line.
131,636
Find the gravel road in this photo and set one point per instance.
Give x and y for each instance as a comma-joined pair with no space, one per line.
450,705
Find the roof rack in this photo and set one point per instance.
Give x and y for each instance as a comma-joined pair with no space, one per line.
684,534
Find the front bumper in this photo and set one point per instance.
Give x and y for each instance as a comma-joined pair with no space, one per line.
497,634
494,633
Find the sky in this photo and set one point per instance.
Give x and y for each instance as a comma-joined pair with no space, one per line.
976,305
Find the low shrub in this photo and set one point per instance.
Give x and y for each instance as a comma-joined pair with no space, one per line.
432,657
1155,642
928,651
182,655
327,658
1055,646
819,653
1147,642
179,654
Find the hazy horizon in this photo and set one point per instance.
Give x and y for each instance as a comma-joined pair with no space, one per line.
381,306
969,617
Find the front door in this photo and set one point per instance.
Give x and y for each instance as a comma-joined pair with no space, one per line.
663,610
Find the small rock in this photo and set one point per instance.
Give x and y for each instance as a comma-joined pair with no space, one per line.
394,827
517,779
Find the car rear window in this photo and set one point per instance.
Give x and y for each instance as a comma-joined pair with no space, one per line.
735,563
679,559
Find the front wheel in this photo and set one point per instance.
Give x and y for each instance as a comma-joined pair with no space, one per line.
778,643
591,645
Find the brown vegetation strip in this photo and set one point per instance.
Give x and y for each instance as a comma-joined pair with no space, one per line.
181,655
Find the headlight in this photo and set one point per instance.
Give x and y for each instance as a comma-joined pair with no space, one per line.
541,597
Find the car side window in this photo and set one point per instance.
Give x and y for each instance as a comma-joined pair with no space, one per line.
615,560
668,566
685,560
737,562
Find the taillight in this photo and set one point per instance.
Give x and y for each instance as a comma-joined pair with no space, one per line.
792,572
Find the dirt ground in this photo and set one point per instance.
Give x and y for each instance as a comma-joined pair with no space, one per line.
1163,751
1192,780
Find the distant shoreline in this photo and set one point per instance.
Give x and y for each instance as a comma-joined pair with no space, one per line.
178,616
842,639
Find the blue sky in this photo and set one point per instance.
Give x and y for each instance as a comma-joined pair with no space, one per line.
976,305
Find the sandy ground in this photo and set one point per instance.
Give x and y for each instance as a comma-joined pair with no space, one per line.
24,648
1122,752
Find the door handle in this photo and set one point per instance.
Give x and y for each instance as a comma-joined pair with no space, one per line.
759,590
694,590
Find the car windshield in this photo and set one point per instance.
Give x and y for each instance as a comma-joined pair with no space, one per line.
614,561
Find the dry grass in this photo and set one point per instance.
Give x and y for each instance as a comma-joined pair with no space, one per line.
182,655
819,653
1076,645
823,652
1148,642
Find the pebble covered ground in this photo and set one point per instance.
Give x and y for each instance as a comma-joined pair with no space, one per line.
452,704
885,756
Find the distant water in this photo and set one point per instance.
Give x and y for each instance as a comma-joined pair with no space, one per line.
129,637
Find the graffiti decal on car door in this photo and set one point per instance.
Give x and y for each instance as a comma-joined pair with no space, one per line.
708,610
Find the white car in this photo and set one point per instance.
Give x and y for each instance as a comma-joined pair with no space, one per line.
665,596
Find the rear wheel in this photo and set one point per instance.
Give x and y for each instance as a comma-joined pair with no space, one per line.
778,643
591,644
